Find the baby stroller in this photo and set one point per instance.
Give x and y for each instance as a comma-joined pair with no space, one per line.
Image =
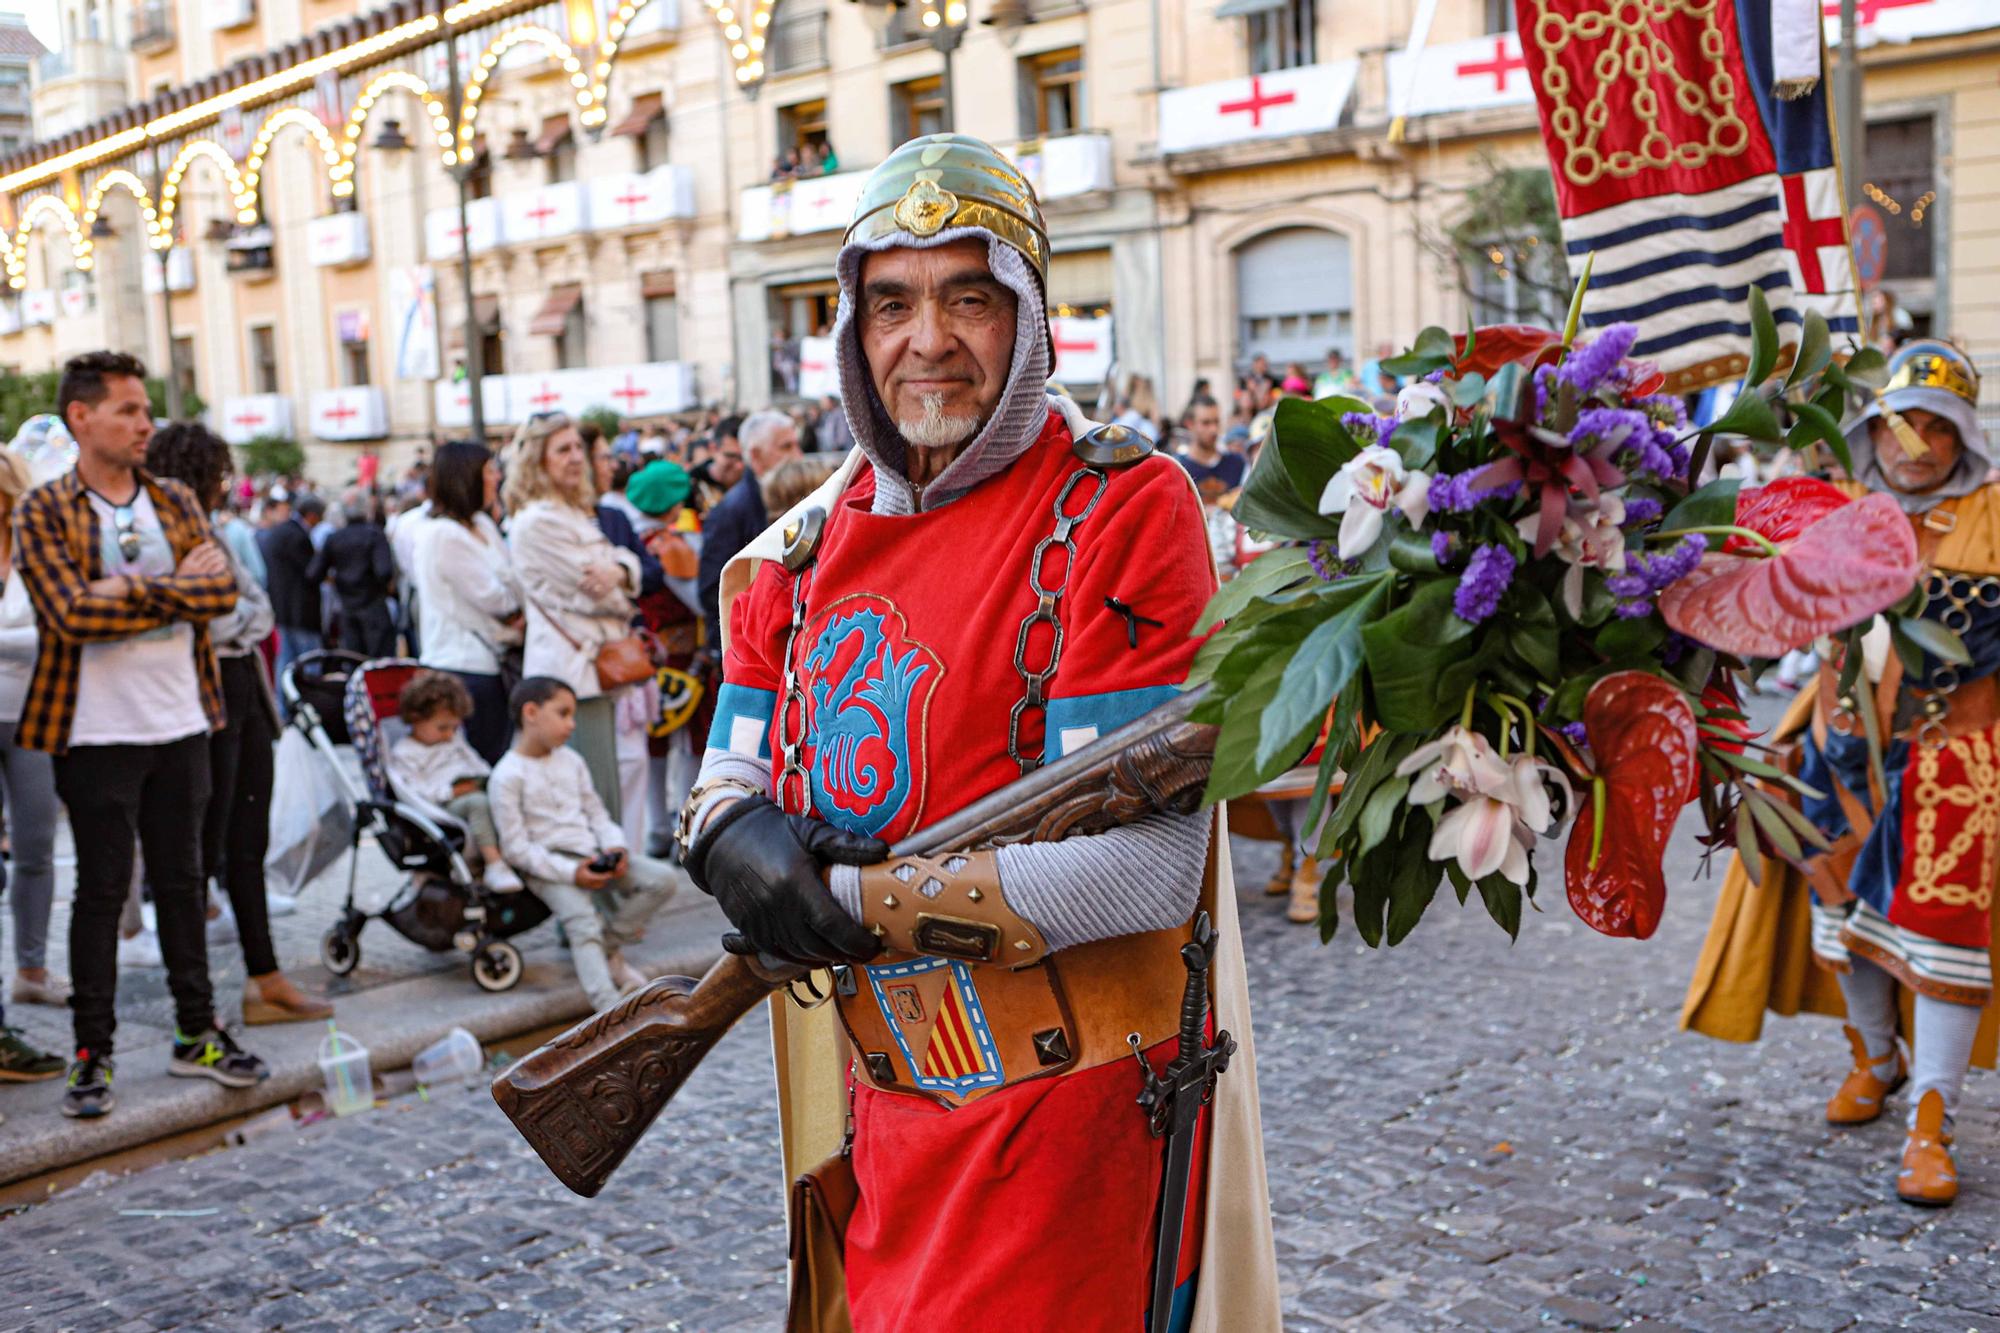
340,697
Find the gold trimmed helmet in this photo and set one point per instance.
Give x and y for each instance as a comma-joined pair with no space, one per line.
1930,364
952,180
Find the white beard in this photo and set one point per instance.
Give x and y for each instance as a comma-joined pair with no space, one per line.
934,429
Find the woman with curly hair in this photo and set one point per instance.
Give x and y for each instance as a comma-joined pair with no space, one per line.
237,828
578,588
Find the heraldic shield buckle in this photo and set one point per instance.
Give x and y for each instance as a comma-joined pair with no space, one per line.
935,1018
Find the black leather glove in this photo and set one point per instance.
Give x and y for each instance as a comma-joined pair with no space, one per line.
763,867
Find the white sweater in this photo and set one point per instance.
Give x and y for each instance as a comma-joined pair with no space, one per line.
18,646
548,815
465,589
552,544
427,772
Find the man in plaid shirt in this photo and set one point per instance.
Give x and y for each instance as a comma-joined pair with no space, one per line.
124,576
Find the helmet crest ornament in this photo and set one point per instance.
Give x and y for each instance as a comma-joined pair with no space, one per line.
925,208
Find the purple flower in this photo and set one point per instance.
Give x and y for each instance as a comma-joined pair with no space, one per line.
1367,428
1641,509
1645,576
1441,546
1486,577
1587,367
1575,733
1320,556
1453,493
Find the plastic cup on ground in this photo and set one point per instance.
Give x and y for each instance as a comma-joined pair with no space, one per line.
343,1064
453,1056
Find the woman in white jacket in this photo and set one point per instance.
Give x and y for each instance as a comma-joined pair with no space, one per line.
468,600
577,586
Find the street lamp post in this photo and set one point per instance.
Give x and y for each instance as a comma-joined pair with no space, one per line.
943,23
165,254
1847,109
461,173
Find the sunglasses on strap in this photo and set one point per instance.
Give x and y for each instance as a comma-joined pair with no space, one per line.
126,521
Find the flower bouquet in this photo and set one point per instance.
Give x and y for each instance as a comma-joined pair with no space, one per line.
1506,610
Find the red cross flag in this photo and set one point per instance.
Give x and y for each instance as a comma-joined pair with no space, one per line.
537,215
339,238
819,373
1284,102
1460,76
241,420
1907,20
349,414
634,199
441,230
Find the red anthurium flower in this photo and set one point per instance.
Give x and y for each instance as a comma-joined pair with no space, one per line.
1843,567
1549,467
1497,344
1642,737
1783,510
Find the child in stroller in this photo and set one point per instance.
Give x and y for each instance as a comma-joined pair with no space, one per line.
433,763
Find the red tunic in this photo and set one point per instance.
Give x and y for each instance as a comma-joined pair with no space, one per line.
1033,1206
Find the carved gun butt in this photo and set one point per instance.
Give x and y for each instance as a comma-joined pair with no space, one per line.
584,1100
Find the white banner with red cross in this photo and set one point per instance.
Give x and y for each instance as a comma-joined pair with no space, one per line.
241,420
1306,100
819,371
1082,349
358,413
1908,20
337,239
1461,76
633,199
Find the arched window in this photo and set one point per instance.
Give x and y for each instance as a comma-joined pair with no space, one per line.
93,21
1294,296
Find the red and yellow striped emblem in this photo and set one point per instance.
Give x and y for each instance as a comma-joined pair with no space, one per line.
953,1052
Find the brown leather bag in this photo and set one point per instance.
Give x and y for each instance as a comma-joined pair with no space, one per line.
621,662
823,1202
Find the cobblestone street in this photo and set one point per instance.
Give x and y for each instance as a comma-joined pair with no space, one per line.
1461,1134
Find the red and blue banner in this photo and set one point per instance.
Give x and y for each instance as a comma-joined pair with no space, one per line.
1681,170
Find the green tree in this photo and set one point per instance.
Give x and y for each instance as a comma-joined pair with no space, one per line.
279,454
605,419
1502,246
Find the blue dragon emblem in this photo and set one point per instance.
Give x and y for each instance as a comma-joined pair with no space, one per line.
859,738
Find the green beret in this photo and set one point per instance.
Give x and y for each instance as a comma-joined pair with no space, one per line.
658,487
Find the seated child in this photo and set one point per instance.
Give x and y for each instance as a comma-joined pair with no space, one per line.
555,829
433,763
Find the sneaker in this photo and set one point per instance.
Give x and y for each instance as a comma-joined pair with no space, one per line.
141,950
280,904
215,1054
22,1063
51,990
500,878
88,1095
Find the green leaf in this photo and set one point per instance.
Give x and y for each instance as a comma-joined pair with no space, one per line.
1233,653
1415,441
1434,350
1371,896
1319,670
1776,831
1763,342
1746,843
1312,444
1381,808
1868,368
1408,651
1630,638
1410,552
1270,504
1470,391
1416,883
1815,350
1575,316
1809,832
1503,903
1235,771
1532,631
1816,423
1751,417
1713,505
1267,573
1932,638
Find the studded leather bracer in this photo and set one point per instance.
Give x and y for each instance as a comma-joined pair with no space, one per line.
947,906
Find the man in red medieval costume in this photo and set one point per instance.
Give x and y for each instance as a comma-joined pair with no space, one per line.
983,1095
1903,901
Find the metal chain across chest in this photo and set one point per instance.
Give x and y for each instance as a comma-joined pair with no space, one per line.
792,710
1958,594
1048,600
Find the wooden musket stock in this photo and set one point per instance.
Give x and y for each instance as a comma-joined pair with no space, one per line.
586,1098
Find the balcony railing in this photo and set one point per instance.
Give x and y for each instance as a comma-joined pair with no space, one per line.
792,208
1065,167
604,203
797,42
649,390
13,100
153,28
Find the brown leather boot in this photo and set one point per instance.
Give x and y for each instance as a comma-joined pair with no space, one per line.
1928,1179
1281,878
274,999
1304,906
1862,1094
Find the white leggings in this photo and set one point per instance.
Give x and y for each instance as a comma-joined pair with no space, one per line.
1943,1047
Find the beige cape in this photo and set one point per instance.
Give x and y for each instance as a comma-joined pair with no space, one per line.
1238,1287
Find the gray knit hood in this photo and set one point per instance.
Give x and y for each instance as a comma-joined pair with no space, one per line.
1017,420
1975,459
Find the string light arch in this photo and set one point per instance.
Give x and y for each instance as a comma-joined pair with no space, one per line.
559,52
357,120
170,189
17,249
116,179
251,198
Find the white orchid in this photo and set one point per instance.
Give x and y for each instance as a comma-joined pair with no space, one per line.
1367,486
1502,804
1420,398
1459,763
1591,538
